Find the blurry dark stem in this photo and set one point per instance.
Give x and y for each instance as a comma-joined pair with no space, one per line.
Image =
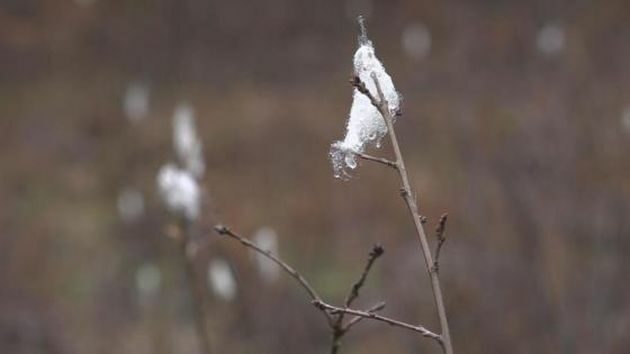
406,193
339,330
196,285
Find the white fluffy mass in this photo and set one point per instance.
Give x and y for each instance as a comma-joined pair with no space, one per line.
267,239
365,124
221,280
179,191
188,146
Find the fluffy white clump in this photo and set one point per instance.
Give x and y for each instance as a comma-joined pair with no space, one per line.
188,146
179,191
221,280
267,239
365,124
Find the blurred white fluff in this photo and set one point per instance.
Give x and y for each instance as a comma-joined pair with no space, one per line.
136,101
221,280
267,239
148,283
551,39
179,191
365,124
130,204
188,146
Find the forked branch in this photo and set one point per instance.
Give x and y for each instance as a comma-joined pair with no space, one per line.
381,105
334,310
339,329
225,231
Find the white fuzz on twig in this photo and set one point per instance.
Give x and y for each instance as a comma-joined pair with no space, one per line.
267,239
221,280
179,191
188,146
365,124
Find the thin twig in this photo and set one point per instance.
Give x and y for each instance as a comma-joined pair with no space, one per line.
223,230
357,319
406,192
380,160
338,329
371,315
377,251
439,234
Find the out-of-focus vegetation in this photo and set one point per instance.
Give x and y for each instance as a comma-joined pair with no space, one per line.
516,122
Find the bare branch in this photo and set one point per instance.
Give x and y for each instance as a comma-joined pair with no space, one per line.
339,330
371,315
357,319
439,233
223,230
377,251
406,193
380,160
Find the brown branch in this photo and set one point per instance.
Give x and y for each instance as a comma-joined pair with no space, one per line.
380,160
371,315
406,192
357,319
439,234
338,329
225,231
377,251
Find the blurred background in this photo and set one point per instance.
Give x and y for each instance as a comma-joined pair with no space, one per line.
516,122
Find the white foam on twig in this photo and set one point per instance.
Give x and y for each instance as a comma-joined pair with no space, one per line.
365,125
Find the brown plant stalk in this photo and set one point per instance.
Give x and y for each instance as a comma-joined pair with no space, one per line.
406,192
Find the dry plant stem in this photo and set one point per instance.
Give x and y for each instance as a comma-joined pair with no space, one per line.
357,319
406,193
197,291
439,234
381,160
225,231
371,315
338,328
